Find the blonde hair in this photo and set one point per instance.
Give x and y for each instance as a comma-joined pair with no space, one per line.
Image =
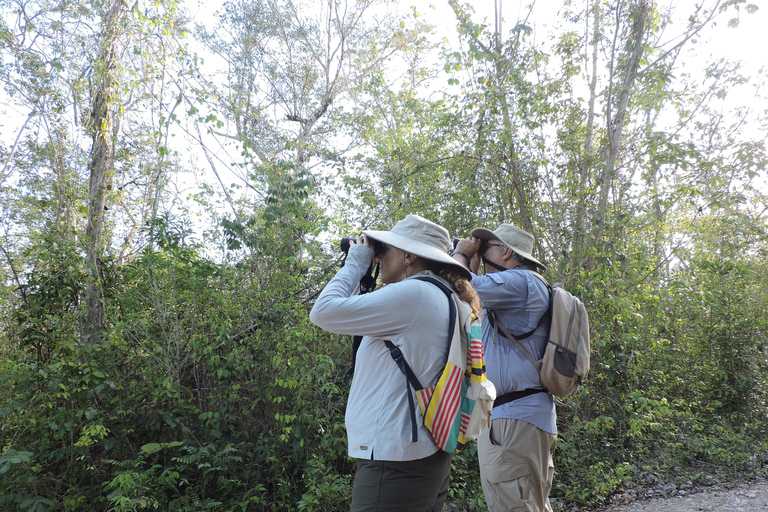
457,281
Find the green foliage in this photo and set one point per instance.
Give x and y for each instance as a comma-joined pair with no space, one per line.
192,403
326,488
676,375
212,391
465,492
50,295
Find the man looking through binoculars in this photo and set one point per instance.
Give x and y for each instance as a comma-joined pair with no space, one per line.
515,454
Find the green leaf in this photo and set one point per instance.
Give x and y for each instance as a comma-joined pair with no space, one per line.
151,448
36,503
156,447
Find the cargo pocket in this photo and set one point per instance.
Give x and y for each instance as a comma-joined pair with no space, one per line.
510,489
506,473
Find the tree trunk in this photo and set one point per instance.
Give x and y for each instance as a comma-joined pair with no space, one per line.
100,126
615,124
580,239
513,183
518,197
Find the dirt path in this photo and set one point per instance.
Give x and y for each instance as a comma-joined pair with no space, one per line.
747,498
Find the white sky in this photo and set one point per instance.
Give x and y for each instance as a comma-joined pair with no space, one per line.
746,42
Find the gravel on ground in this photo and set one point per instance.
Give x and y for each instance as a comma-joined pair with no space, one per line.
743,498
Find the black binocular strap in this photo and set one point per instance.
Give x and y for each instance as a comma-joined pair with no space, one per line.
367,284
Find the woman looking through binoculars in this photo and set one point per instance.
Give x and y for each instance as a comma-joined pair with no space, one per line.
394,470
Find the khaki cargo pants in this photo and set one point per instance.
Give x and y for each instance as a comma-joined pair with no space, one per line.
516,466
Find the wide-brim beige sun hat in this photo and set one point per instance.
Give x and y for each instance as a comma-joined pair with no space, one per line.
513,237
419,236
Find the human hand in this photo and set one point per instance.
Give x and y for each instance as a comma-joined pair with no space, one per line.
469,246
474,262
366,241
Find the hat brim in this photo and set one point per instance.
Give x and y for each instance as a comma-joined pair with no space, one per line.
419,249
486,234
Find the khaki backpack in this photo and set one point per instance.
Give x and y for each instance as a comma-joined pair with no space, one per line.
566,358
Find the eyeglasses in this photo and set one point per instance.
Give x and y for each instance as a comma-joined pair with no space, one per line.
488,244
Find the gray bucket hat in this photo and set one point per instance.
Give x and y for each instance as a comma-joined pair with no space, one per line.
513,237
419,236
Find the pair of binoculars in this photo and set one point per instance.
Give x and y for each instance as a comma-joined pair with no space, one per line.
378,247
483,245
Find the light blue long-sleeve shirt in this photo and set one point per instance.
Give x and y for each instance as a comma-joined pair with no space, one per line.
519,300
414,316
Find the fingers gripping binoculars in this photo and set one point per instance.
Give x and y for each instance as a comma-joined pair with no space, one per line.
368,282
483,245
378,247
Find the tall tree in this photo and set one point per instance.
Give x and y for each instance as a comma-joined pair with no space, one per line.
622,113
102,126
505,96
567,165
82,148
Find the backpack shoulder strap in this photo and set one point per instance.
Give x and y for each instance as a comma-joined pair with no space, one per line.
451,305
411,380
497,325
547,314
540,278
